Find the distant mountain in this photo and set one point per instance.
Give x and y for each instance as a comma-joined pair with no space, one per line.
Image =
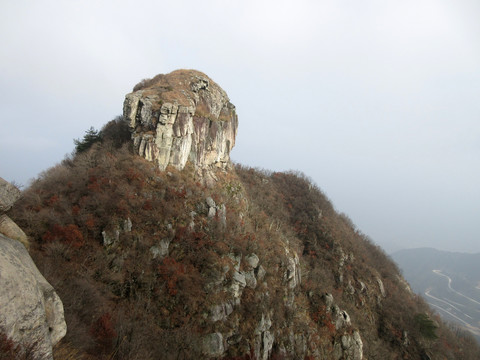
449,282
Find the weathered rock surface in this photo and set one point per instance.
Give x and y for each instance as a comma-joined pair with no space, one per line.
31,313
350,347
11,230
212,345
8,195
179,117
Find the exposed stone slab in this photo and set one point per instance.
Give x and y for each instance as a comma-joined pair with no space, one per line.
31,313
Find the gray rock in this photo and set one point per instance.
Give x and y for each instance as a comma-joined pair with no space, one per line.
239,277
110,238
264,339
293,275
268,340
161,250
192,122
350,347
350,289
9,194
250,279
210,202
328,299
381,287
264,324
238,284
220,312
30,310
222,215
127,225
212,345
11,230
363,287
212,212
342,320
300,344
261,272
236,261
252,261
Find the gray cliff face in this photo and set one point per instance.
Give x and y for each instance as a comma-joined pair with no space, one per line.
182,117
31,313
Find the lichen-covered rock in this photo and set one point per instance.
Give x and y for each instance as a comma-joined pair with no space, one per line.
182,116
31,313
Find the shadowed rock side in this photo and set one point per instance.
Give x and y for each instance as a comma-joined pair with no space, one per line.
179,117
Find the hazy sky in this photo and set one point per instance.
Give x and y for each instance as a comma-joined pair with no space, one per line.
377,100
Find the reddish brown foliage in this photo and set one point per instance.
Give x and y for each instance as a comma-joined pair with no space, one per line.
103,331
69,234
170,270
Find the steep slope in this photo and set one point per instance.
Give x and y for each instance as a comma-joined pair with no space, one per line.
153,262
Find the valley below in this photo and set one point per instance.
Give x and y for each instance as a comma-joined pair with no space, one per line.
448,282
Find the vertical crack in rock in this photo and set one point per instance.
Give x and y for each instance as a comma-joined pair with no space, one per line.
182,117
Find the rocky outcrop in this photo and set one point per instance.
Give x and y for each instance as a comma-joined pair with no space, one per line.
212,345
264,338
182,117
31,313
350,347
9,194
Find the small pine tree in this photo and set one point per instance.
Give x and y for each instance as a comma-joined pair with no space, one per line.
91,137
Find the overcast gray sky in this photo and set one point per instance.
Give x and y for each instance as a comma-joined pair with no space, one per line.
376,100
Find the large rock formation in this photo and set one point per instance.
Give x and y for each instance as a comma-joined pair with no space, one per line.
179,117
31,313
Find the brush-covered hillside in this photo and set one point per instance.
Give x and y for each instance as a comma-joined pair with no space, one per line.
161,248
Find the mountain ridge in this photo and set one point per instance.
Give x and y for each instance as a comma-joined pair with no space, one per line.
152,262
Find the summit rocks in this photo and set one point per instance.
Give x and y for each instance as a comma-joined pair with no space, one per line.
182,117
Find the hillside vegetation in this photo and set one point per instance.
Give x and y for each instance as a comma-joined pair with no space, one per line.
153,264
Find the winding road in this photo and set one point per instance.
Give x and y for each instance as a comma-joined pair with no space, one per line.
438,272
447,305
